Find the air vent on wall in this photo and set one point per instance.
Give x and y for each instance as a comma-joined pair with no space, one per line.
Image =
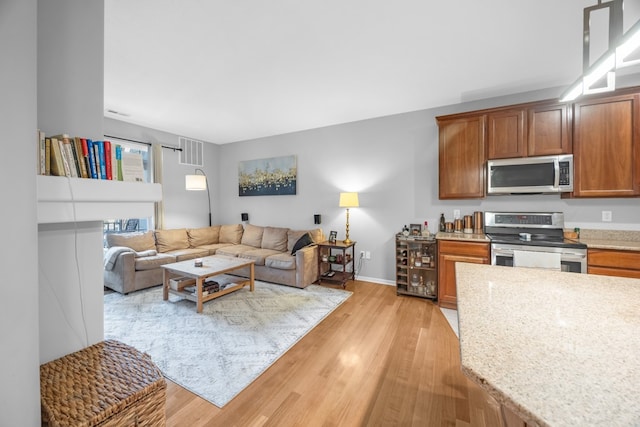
192,152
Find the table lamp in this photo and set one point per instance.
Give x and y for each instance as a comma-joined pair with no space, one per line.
348,200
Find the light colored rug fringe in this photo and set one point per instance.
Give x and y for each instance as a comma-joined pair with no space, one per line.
452,318
217,353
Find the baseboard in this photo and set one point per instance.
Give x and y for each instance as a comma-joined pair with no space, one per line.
376,280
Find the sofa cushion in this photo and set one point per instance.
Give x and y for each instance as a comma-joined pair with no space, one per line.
231,233
154,261
275,238
213,248
281,261
136,241
169,240
234,250
303,241
252,236
203,236
258,255
294,235
188,253
317,235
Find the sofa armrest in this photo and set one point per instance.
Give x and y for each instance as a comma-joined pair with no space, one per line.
122,277
306,266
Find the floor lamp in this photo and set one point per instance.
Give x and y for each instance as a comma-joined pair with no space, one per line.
199,183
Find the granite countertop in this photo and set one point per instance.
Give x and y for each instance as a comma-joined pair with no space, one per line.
559,349
482,238
611,239
594,239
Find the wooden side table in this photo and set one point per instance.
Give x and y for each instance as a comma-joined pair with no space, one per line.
336,262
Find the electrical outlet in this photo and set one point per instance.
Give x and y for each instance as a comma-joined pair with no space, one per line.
367,255
607,216
456,214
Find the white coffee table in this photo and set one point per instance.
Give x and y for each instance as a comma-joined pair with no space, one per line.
211,266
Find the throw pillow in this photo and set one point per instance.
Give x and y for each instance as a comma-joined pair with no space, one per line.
302,242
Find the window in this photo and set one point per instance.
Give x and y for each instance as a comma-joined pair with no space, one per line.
127,225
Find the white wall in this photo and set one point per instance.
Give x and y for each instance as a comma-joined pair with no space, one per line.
19,372
70,100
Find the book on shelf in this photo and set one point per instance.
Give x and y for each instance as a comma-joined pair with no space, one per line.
107,160
82,160
91,157
207,288
101,162
132,169
57,161
69,154
118,164
85,155
42,159
65,157
47,151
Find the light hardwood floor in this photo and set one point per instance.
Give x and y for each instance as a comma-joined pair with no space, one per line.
378,360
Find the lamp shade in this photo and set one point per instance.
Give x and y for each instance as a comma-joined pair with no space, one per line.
195,182
349,200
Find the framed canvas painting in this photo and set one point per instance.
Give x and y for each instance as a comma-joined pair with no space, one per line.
275,176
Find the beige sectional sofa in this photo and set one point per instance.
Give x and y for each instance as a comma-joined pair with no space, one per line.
132,260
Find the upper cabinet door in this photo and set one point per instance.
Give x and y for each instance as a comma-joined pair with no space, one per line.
605,147
461,166
505,134
548,130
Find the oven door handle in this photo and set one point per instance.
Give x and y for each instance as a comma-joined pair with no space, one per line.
503,252
572,257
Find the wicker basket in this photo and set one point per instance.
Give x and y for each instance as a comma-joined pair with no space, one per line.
106,384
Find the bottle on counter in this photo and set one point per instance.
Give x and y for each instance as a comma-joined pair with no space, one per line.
442,221
425,230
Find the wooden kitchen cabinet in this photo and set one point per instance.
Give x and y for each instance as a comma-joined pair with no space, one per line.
610,262
506,134
548,129
461,164
606,148
535,129
450,252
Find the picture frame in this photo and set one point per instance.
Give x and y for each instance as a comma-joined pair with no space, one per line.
275,176
332,236
415,229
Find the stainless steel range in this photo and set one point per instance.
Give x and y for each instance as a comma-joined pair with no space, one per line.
533,239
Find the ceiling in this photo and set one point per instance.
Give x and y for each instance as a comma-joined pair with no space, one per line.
226,71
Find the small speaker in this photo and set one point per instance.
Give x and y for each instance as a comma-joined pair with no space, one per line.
244,216
316,219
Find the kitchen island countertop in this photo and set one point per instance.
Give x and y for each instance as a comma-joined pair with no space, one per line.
558,349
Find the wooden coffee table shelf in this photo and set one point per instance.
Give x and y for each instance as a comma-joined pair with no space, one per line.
211,266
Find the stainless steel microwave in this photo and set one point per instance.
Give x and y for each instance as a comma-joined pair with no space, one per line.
525,175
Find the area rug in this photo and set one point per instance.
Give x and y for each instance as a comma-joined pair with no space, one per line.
219,352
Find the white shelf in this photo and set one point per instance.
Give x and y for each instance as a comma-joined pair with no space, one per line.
62,199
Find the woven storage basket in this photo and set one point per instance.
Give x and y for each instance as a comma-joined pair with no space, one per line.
106,384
